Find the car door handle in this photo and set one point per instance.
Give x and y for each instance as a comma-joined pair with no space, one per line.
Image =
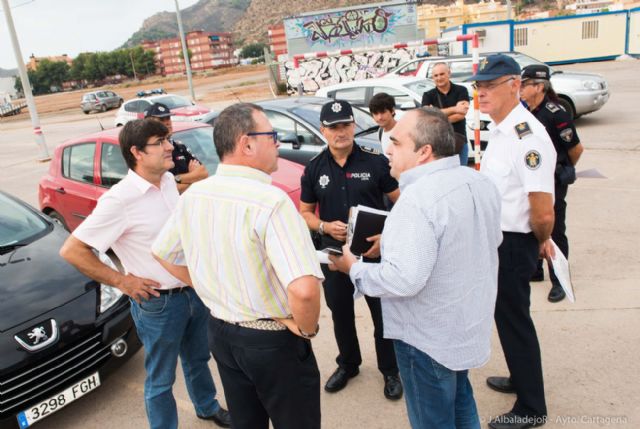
61,191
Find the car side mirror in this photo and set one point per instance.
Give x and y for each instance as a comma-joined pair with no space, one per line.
296,141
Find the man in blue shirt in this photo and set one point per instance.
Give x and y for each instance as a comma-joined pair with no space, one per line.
437,279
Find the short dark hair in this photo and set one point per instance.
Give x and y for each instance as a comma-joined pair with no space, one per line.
433,128
137,133
381,102
233,122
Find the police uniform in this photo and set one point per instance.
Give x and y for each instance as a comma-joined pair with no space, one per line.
519,159
364,179
562,132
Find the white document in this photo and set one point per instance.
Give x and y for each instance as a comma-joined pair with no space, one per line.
561,269
323,257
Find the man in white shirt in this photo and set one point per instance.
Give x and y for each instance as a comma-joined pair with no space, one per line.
383,109
170,318
437,307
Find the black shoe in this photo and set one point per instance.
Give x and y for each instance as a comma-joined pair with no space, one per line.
514,421
501,384
538,276
556,294
392,387
221,417
339,379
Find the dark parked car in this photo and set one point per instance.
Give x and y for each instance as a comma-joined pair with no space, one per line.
100,101
61,333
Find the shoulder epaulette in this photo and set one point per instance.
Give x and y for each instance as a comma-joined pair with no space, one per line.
552,107
523,130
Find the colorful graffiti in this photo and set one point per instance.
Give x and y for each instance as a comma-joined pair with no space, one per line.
319,72
350,28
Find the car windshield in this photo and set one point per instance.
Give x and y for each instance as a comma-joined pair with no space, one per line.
311,114
88,97
200,141
172,101
420,87
18,224
525,60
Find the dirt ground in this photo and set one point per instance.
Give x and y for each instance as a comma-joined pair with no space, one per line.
247,82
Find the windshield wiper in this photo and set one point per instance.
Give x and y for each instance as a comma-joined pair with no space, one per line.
10,247
368,131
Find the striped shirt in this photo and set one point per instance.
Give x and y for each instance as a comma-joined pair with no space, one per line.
439,269
243,241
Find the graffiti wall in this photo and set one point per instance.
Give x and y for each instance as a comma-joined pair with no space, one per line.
320,72
351,27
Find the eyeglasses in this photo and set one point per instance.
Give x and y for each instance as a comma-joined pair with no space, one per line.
489,86
160,141
273,134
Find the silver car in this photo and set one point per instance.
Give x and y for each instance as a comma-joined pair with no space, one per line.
100,101
580,93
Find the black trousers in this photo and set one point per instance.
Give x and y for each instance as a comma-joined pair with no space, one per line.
266,375
338,291
518,254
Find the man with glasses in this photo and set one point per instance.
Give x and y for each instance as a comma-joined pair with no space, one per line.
520,159
342,176
187,169
170,318
239,240
543,102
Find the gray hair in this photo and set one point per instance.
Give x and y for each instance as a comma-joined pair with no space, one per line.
441,63
433,128
233,122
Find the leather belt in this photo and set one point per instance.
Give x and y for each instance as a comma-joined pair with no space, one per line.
173,290
262,325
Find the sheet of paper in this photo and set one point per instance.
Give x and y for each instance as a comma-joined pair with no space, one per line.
561,269
323,257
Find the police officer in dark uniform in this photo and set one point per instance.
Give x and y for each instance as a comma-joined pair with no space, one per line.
187,168
344,175
537,92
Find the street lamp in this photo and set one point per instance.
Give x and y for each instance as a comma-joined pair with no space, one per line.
185,53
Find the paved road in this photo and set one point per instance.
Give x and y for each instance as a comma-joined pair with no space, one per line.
590,348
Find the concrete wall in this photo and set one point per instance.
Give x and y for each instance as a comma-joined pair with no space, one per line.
634,32
569,39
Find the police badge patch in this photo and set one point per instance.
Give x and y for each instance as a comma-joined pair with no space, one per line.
532,159
323,181
523,130
566,135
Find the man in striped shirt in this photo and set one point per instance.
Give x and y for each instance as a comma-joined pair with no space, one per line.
241,244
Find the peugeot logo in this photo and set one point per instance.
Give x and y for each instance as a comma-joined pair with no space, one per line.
39,336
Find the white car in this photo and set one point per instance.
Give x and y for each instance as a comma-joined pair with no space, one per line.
580,93
408,93
182,109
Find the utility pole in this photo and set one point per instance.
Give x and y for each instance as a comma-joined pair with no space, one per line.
26,85
132,65
185,52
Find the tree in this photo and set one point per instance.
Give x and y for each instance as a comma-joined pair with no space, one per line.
252,50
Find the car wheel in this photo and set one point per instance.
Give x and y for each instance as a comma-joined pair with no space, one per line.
57,218
103,108
566,105
86,112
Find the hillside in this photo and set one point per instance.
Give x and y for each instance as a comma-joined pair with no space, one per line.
8,73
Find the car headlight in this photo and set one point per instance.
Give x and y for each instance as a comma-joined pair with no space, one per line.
109,295
591,85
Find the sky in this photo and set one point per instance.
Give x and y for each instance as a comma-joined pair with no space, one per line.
56,27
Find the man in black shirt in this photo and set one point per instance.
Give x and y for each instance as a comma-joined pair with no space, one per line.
453,100
187,168
537,92
344,175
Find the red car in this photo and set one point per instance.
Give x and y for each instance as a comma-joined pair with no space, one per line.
83,169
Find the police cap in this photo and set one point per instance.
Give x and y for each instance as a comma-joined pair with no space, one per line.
157,110
495,66
336,112
536,71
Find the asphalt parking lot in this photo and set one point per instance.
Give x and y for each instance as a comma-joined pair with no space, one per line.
590,348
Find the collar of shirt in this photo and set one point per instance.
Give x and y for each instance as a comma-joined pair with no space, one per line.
143,185
410,176
352,155
543,103
233,170
513,118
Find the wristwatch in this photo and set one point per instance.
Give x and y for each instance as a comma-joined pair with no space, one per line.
178,178
309,336
321,228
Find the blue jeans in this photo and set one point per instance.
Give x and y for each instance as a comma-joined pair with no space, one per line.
464,154
436,396
170,326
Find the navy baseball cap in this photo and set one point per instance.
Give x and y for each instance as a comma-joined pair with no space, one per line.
157,110
336,112
495,66
536,71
